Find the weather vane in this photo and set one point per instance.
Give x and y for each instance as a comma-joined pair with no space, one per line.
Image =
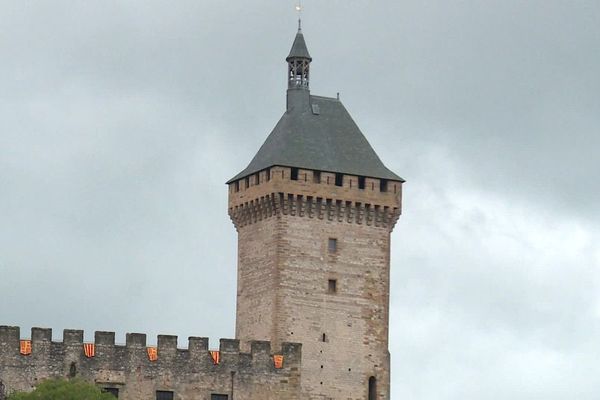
299,9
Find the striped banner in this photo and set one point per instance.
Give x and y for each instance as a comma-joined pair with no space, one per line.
278,361
25,347
89,349
152,353
216,356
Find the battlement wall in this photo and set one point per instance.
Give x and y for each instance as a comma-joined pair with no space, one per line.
306,182
271,192
191,373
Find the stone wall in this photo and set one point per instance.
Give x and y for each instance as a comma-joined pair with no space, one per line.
190,374
284,267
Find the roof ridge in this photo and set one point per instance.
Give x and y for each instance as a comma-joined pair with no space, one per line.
325,97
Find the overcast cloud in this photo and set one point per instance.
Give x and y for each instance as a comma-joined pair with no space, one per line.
120,121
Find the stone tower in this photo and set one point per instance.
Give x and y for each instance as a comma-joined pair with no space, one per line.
314,211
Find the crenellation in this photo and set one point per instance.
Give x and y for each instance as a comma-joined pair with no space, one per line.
135,340
104,338
72,336
41,335
229,346
130,369
260,347
167,346
10,335
197,345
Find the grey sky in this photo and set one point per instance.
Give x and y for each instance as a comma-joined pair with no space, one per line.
120,121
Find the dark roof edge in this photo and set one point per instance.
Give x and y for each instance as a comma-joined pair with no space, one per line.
242,174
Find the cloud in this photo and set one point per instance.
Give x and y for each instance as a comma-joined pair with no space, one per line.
120,122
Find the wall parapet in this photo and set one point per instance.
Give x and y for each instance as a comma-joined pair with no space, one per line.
198,347
112,364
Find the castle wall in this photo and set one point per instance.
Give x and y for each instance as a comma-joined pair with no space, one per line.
190,373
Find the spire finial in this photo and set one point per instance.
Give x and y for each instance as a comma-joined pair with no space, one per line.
299,9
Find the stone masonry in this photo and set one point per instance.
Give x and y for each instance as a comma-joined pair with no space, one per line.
285,266
190,374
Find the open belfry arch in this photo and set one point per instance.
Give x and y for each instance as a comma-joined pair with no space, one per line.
314,210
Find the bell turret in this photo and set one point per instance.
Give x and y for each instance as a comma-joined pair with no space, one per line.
298,72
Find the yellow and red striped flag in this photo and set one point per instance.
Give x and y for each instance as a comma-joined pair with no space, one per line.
25,347
216,356
89,349
152,353
278,360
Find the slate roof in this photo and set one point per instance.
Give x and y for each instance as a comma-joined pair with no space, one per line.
329,141
299,49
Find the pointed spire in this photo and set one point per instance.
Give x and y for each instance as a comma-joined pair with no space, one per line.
299,49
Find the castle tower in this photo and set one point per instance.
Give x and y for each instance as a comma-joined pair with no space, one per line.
314,211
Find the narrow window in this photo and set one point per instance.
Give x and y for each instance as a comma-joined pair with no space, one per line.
339,179
294,175
332,286
72,370
332,245
324,337
113,391
383,185
317,176
372,388
361,182
236,186
247,182
257,178
218,396
268,174
164,395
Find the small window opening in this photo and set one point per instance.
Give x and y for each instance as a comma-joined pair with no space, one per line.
247,182
383,184
317,176
72,370
215,396
332,286
332,245
372,388
257,178
113,391
324,338
164,395
339,179
361,182
268,174
294,175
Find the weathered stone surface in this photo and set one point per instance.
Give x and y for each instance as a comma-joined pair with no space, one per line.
190,373
284,268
